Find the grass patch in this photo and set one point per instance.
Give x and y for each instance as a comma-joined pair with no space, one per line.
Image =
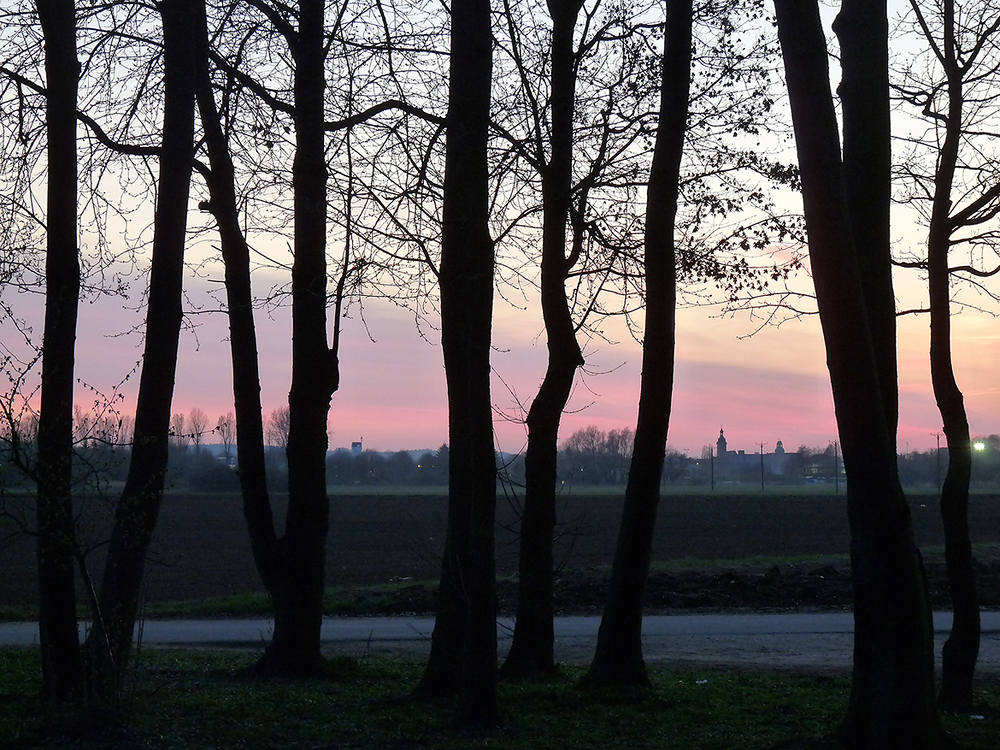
397,598
193,699
376,490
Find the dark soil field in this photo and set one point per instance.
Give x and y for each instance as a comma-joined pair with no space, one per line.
201,550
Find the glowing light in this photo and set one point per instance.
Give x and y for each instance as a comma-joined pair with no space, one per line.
980,446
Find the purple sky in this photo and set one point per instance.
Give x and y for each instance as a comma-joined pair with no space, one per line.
769,387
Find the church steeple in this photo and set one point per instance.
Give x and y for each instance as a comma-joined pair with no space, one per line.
720,445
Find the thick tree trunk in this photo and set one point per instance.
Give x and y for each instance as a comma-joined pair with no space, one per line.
961,650
300,555
468,585
139,505
892,700
863,31
62,671
531,650
618,659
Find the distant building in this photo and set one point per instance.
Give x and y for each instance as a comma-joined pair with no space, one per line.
737,465
356,448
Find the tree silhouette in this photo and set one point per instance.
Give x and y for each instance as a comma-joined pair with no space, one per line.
892,695
618,658
958,197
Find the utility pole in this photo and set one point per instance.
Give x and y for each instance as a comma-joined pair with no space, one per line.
711,465
836,469
762,466
937,435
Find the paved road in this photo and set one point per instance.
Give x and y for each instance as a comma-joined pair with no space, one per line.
819,641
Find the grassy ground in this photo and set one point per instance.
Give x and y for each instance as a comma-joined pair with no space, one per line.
711,553
194,699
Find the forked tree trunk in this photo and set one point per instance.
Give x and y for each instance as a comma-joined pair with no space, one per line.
138,507
468,586
532,647
299,560
62,672
892,699
618,659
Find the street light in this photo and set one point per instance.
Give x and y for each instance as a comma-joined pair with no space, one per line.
979,445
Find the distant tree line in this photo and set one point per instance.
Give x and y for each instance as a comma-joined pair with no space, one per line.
590,456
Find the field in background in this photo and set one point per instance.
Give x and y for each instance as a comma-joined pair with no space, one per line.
201,547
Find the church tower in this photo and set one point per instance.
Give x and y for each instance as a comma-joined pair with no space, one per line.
720,445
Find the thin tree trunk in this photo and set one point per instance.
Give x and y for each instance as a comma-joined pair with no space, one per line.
892,699
139,505
468,586
961,650
62,670
532,647
242,334
618,659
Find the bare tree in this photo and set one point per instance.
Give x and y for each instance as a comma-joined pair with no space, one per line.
178,435
62,674
892,697
277,428
618,659
463,644
198,422
137,510
226,427
956,190
532,647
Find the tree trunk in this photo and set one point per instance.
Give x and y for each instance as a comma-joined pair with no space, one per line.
892,699
863,32
299,561
618,659
961,650
531,650
242,334
139,505
62,671
468,585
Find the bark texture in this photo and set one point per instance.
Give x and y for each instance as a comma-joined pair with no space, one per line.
892,699
618,659
62,669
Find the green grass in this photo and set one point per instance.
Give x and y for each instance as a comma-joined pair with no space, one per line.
193,699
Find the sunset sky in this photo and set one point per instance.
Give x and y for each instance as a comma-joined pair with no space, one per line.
762,388
768,387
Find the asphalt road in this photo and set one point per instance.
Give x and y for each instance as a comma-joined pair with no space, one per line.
799,641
